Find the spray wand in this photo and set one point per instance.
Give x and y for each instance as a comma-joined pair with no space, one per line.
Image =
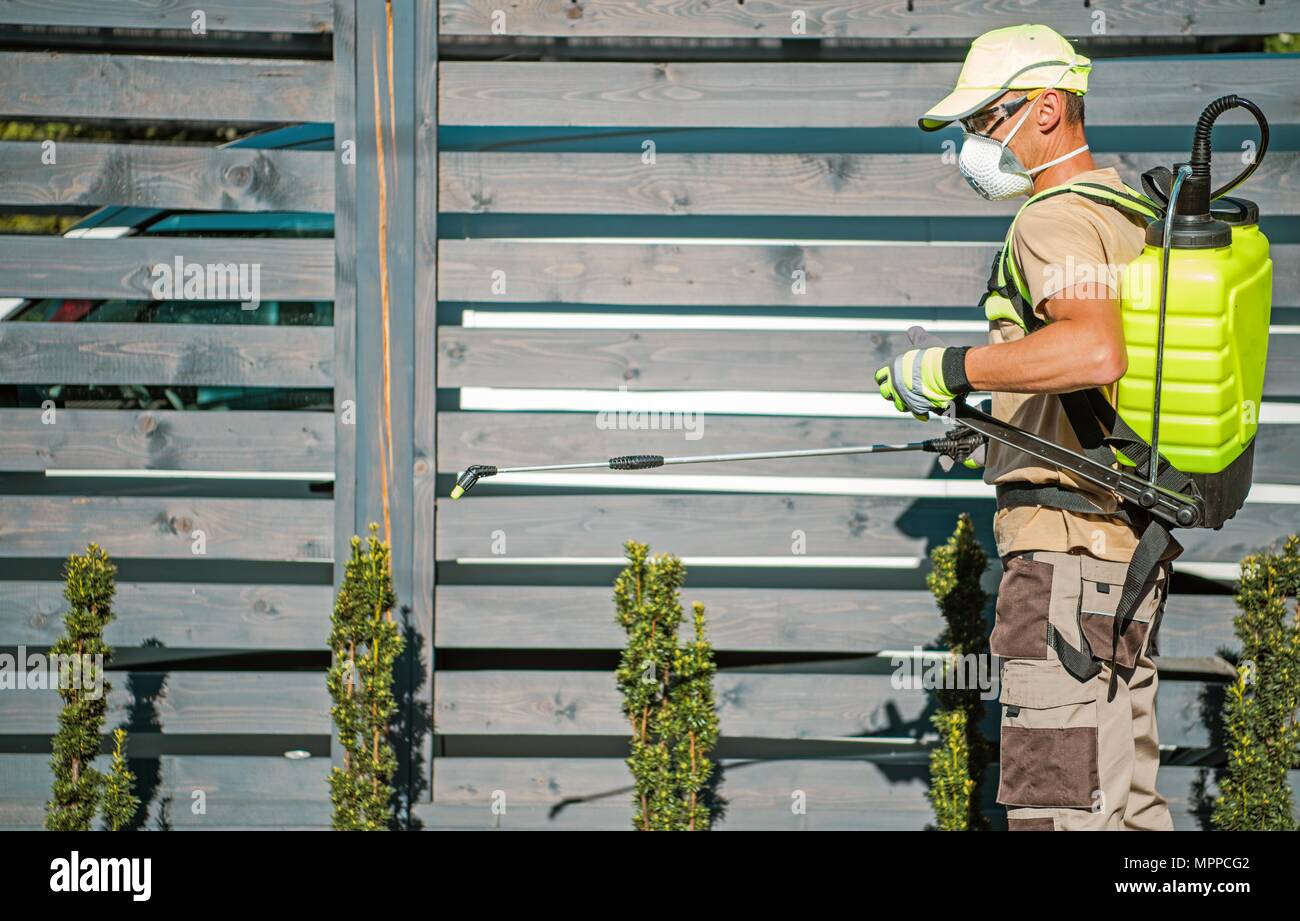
955,447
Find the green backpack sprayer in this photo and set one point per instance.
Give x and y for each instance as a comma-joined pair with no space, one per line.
1177,446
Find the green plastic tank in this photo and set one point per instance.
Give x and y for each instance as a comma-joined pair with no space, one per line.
1196,397
1216,342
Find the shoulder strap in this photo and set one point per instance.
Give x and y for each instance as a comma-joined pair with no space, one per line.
1006,279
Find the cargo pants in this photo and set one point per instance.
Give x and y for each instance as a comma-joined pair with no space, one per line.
1077,755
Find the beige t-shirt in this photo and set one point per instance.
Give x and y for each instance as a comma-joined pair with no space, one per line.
1060,242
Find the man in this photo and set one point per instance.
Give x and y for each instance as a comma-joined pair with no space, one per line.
1079,748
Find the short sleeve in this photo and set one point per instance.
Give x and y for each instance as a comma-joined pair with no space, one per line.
1057,248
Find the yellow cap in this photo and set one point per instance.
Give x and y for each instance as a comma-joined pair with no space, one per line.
457,491
1014,58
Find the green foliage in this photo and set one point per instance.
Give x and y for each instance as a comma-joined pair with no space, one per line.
1259,715
119,803
366,642
77,787
957,765
667,689
1286,43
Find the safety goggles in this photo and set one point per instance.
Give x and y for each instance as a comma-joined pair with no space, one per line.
986,121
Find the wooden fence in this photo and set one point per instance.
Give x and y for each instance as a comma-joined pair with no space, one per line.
508,254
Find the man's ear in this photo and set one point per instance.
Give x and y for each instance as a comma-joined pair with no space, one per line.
1050,110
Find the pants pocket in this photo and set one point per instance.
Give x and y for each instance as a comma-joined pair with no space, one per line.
1101,586
1024,601
1049,738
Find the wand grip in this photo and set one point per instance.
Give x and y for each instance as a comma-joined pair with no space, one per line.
636,462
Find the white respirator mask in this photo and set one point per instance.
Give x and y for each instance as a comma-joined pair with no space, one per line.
994,171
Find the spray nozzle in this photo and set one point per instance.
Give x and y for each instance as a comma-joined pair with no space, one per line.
473,473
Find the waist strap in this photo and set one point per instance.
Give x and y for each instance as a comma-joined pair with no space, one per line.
1049,495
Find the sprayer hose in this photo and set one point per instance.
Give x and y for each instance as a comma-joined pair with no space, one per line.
1200,159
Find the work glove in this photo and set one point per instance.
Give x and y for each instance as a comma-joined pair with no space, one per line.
925,379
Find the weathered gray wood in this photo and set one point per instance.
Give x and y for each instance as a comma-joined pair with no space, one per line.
597,526
248,792
345,296
788,620
35,267
345,281
765,620
761,525
269,442
852,185
874,19
714,273
239,791
396,125
178,614
1197,625
164,527
717,274
193,702
854,796
711,360
257,792
53,85
157,176
750,705
228,15
424,430
517,439
1155,91
166,353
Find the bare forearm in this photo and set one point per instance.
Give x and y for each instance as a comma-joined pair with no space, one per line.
1068,354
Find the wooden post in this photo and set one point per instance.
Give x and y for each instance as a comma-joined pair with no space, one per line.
390,367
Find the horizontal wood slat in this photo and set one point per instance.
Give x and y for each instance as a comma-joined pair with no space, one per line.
873,19
690,359
289,530
228,15
55,86
750,705
179,615
191,702
788,620
820,185
517,439
722,274
239,791
761,525
156,176
267,442
166,353
553,793
34,267
1156,91
841,795
763,620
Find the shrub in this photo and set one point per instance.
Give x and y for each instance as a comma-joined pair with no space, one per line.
366,642
78,787
667,689
957,765
1259,713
